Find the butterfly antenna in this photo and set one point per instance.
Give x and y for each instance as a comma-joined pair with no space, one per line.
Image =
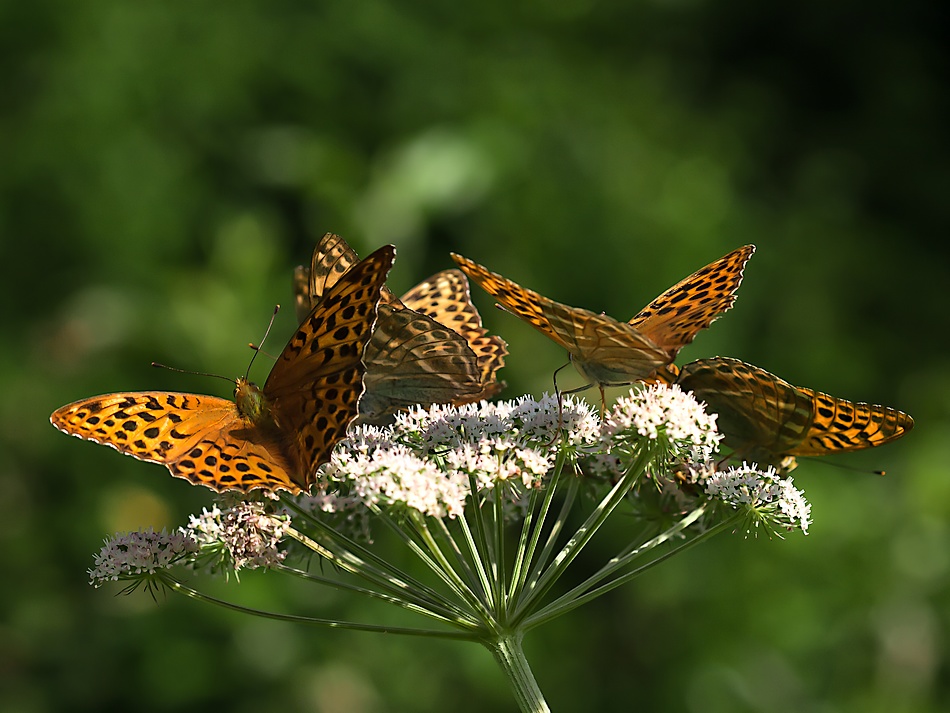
257,350
843,466
188,371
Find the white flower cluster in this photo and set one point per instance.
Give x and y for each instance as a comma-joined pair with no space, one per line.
651,412
426,459
764,493
139,553
248,533
659,408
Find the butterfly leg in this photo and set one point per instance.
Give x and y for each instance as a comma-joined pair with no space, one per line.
560,410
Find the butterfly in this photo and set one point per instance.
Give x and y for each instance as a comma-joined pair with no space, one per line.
608,352
767,420
413,356
270,438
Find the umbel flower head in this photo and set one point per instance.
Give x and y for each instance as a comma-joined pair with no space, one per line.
435,462
431,459
453,484
139,555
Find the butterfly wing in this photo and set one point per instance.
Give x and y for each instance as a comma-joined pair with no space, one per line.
604,350
316,383
202,439
757,411
841,425
674,318
767,418
303,302
446,298
412,359
332,258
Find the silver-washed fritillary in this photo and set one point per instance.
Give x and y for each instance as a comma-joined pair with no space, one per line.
767,420
411,358
270,438
607,352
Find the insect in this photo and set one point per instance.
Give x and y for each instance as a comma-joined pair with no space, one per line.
608,352
422,351
767,420
270,438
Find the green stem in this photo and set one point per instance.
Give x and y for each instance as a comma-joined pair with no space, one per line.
177,586
510,656
408,591
357,559
475,554
557,528
583,535
499,571
482,550
372,593
443,568
571,600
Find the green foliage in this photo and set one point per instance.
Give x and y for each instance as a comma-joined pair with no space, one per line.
165,166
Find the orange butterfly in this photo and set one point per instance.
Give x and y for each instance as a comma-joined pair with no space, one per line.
765,419
607,352
423,351
270,438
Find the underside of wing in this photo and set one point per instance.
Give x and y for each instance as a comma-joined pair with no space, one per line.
331,259
533,308
303,302
603,350
757,411
674,318
413,359
608,352
842,425
445,297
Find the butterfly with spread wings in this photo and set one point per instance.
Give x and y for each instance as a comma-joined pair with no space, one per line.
608,352
272,437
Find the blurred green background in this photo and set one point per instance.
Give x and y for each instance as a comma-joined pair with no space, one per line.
165,165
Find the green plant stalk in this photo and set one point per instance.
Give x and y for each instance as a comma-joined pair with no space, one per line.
499,571
586,531
510,656
472,546
389,580
357,559
571,600
177,586
443,568
372,593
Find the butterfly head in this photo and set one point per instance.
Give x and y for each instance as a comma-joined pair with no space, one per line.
251,402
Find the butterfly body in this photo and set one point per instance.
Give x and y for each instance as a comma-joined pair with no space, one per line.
767,420
271,437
